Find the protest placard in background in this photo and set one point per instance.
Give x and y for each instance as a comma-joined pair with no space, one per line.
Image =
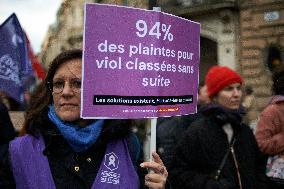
138,63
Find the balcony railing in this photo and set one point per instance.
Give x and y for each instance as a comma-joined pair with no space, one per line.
191,3
194,7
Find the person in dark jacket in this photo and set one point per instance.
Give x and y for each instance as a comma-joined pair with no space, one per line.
7,131
218,151
61,150
171,129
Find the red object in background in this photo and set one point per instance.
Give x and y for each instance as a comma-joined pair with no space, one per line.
37,67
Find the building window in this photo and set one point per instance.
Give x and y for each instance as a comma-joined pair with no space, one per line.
208,56
274,58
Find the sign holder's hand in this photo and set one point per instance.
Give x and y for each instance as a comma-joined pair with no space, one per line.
157,176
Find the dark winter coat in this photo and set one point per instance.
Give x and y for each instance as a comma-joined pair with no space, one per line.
62,159
169,131
200,153
7,131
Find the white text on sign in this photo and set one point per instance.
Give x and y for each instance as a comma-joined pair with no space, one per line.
157,30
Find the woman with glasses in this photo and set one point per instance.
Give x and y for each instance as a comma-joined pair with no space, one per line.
58,149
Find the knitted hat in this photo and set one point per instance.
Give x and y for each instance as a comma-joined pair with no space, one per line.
218,77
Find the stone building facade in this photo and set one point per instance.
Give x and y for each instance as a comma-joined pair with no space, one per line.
217,35
219,29
247,36
67,31
261,44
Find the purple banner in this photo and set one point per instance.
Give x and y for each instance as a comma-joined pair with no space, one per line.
16,73
138,63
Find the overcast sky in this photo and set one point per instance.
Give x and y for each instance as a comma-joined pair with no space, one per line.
34,15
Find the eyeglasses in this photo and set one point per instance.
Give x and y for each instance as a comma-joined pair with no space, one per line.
58,86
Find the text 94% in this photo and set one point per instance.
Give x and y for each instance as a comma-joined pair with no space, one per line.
157,30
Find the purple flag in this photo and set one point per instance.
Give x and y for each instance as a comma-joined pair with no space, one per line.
15,66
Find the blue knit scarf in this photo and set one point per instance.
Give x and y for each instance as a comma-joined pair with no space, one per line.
79,138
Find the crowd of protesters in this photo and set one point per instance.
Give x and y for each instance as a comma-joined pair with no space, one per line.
213,149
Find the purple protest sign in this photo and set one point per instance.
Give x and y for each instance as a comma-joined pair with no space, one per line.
138,63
